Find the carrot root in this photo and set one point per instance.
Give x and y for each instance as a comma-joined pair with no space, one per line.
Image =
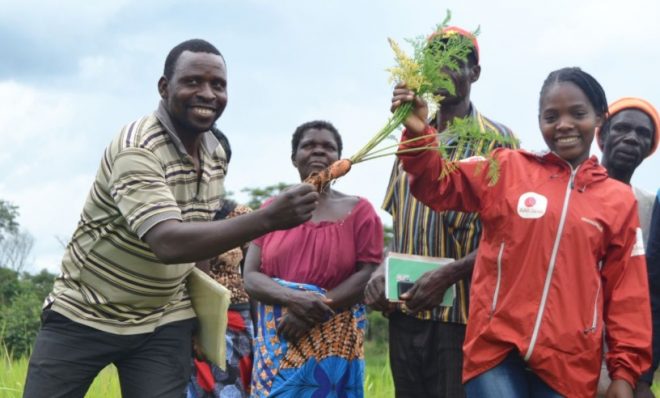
337,169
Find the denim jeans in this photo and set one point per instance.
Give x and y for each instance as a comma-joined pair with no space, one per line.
510,379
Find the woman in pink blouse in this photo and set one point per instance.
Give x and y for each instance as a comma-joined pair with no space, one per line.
309,281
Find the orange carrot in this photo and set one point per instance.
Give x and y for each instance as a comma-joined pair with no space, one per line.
337,169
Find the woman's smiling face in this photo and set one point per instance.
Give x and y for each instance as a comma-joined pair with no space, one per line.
568,122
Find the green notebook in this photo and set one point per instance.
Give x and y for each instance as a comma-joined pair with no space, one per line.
402,270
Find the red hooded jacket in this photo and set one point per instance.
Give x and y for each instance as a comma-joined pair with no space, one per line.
560,257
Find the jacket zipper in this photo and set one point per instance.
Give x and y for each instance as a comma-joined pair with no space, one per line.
499,279
594,322
551,266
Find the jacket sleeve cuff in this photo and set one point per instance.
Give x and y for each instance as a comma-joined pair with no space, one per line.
626,375
428,135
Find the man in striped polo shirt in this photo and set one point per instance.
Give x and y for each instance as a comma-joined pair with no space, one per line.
426,339
121,296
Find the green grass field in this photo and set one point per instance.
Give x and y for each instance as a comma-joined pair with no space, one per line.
378,379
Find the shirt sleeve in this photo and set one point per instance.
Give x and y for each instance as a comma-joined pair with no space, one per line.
140,191
627,313
368,236
390,201
462,188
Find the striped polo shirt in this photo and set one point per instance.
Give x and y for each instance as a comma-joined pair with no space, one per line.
110,279
422,231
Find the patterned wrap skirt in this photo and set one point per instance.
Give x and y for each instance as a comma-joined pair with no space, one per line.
328,361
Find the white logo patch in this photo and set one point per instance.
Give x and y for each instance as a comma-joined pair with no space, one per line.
532,205
638,249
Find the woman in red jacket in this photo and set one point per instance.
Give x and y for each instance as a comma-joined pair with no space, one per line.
560,258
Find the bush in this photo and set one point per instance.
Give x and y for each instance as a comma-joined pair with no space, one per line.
377,327
20,324
21,299
10,286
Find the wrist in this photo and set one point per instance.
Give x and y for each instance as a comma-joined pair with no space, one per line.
417,128
289,298
263,220
447,275
623,376
379,272
413,132
463,267
623,383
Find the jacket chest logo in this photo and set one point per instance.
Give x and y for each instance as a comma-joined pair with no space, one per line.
532,205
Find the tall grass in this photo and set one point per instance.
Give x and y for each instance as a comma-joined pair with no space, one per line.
378,379
12,375
13,371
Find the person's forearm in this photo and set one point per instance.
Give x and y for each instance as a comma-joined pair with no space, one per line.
351,291
264,289
176,242
462,268
379,269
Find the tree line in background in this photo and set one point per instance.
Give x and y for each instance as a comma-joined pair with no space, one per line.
22,293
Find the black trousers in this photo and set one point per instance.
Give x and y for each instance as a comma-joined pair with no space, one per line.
426,357
67,356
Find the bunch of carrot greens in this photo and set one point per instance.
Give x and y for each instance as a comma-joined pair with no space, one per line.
425,74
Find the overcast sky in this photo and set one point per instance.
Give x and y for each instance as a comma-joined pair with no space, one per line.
73,72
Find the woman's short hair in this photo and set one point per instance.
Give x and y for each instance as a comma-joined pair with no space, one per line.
314,124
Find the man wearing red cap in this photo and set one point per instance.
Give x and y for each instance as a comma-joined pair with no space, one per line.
425,338
629,136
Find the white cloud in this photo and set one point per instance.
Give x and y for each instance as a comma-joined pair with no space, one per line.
289,62
27,113
43,18
49,210
44,148
599,28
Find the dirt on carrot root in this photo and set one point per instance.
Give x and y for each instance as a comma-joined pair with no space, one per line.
337,169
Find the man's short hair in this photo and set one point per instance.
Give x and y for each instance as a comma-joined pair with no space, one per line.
192,45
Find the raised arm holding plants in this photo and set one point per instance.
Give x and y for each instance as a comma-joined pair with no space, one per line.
425,74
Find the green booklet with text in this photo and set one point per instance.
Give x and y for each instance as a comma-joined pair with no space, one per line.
402,270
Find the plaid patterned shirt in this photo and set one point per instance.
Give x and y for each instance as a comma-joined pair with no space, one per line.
422,231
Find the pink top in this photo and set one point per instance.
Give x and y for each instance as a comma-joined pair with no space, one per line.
323,254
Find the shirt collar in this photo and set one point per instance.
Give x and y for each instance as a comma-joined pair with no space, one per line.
209,142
